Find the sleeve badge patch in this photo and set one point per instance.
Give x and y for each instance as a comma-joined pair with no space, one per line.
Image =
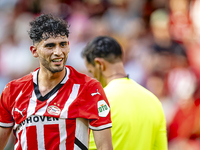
103,108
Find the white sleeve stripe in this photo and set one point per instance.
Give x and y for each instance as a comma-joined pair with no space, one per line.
16,100
6,124
101,127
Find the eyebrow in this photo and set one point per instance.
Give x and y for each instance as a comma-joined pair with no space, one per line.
49,44
64,42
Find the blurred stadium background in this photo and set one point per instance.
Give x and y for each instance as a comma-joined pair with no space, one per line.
160,39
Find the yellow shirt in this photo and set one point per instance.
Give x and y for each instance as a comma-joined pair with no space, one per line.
138,121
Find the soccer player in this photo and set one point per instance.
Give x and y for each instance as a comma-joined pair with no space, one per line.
53,107
137,115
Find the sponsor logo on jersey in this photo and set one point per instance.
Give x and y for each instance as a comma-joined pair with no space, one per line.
103,108
53,110
36,119
97,93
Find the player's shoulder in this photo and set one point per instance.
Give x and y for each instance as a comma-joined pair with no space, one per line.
22,80
14,86
80,78
18,83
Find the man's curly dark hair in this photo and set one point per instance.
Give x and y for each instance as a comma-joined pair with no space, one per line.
46,26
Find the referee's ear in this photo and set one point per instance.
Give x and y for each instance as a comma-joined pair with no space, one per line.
33,50
100,62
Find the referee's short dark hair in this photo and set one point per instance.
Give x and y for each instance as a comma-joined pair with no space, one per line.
103,47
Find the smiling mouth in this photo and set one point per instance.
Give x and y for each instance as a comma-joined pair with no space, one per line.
57,60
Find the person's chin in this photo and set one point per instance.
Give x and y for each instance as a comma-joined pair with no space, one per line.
57,69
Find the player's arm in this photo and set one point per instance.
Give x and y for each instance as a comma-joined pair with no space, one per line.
103,139
6,120
4,136
101,122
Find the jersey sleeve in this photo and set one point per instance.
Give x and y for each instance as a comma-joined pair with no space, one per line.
97,107
161,138
6,119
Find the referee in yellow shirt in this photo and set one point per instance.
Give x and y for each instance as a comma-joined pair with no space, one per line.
138,121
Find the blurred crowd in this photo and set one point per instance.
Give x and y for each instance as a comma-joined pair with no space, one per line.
160,39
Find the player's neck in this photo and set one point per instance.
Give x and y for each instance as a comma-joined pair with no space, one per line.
47,80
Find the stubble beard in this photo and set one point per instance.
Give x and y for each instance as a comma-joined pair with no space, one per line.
53,69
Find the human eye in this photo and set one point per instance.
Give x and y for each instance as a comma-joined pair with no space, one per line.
63,44
50,45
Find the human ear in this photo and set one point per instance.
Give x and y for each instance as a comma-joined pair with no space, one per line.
33,50
99,62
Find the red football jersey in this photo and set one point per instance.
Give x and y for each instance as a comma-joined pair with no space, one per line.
59,120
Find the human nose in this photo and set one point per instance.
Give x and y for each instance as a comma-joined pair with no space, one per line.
57,50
